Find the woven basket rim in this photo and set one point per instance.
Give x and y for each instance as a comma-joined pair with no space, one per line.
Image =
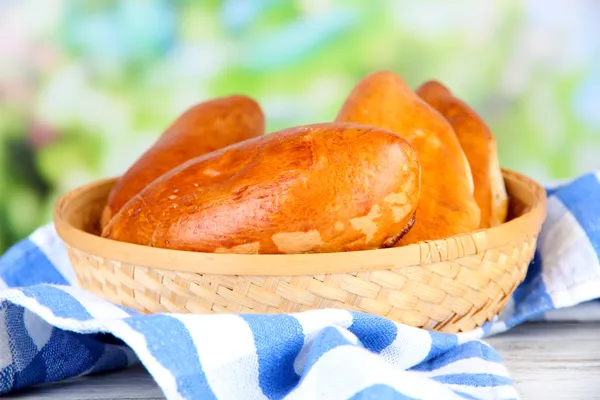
295,264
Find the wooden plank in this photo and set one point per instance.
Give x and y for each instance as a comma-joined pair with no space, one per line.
553,360
546,361
133,383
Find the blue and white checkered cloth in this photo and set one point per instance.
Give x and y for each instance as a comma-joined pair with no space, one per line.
51,330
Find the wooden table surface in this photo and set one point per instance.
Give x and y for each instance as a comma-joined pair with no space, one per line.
546,361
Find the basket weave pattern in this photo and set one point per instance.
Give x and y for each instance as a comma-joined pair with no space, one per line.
457,284
455,295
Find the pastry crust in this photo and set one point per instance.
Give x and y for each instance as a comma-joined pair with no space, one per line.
327,187
447,205
203,128
480,147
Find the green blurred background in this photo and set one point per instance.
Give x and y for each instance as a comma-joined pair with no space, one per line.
87,86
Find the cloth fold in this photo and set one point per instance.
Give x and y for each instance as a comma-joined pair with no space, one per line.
51,330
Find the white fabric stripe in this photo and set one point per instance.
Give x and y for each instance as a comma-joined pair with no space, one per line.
576,294
312,323
470,366
469,336
410,347
17,297
496,392
580,312
5,352
3,284
53,248
346,370
570,261
226,350
97,307
89,326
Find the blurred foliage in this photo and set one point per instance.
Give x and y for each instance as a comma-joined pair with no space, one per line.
87,85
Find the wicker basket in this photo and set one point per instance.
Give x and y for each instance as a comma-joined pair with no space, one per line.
449,285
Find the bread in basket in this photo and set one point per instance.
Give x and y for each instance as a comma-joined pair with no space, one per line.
450,283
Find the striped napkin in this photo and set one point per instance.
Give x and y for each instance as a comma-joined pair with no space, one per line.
51,330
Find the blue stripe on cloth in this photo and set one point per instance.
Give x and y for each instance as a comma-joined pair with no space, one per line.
38,358
7,379
486,328
69,354
113,358
328,339
60,356
531,297
60,302
26,371
380,391
473,379
129,311
170,343
278,340
440,344
24,264
551,191
472,349
374,332
582,199
34,372
7,373
466,395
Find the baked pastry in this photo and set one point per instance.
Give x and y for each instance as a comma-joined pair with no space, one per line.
479,146
318,188
447,206
203,128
